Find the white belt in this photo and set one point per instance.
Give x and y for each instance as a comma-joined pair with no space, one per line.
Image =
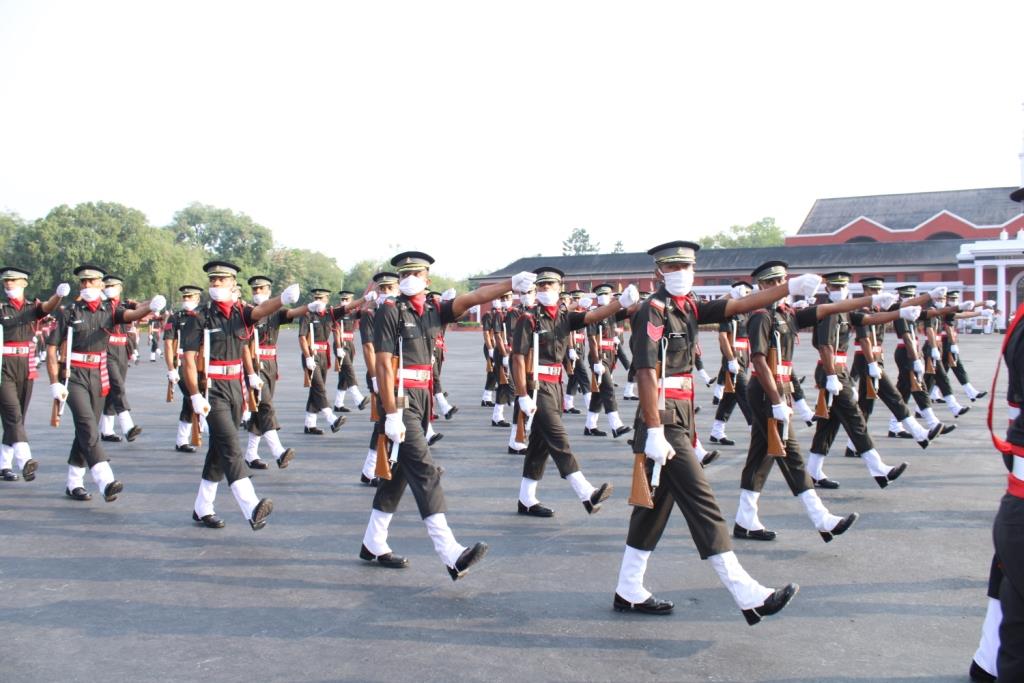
416,375
268,353
224,370
553,370
676,383
839,359
86,357
16,351
1018,466
741,344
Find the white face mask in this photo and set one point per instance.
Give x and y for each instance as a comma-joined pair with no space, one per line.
16,293
528,299
547,297
220,293
739,292
235,296
89,293
603,299
412,285
260,298
189,305
835,296
111,292
679,282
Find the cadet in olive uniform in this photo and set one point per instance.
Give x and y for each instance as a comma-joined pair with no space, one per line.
317,323
173,329
602,354
951,359
386,284
118,354
500,334
407,327
220,330
937,382
344,351
444,406
18,319
579,376
91,320
732,340
664,338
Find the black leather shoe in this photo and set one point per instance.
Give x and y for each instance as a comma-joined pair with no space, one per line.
313,430
932,433
893,475
133,433
451,412
185,448
574,411
649,606
342,409
753,534
900,435
946,429
620,431
260,514
486,404
209,521
501,423
850,453
723,441
285,458
593,432
8,474
516,451
112,438
28,472
435,438
980,394
536,510
696,409
336,425
979,675
844,524
365,402
366,481
466,560
113,488
715,401
709,458
825,483
389,560
600,495
963,409
258,464
78,493
775,602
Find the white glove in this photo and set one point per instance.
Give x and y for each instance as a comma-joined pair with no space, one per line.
59,391
448,294
874,370
490,353
527,405
936,355
910,313
657,447
255,381
370,297
135,355
966,305
733,366
781,412
1013,413
833,385
63,289
523,281
990,303
200,406
173,376
394,428
938,293
598,369
799,304
705,376
339,352
310,363
290,295
157,303
573,355
919,366
585,303
316,306
884,301
805,285
954,349
373,383
629,296
804,410
504,362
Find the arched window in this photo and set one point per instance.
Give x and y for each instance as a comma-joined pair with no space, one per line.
857,240
944,236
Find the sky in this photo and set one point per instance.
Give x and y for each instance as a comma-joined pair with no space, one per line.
481,132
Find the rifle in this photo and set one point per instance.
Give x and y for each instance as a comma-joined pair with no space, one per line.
523,423
871,386
253,399
58,406
203,385
916,383
339,327
307,378
174,364
595,381
382,470
400,401
776,443
730,381
641,494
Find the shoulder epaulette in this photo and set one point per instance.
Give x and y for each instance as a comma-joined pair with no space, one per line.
657,303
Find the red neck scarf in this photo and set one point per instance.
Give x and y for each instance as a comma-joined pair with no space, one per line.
93,305
418,302
114,302
682,301
17,303
552,311
225,308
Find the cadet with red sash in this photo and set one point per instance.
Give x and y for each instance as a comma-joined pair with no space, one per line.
344,355
118,355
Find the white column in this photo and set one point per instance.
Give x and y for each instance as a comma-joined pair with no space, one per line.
1001,293
979,274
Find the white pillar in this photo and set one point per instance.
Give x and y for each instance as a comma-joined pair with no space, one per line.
1001,294
979,275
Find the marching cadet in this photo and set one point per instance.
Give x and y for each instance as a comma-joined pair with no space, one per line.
528,300
503,392
173,352
664,338
156,325
220,330
263,425
601,336
118,354
490,380
344,352
579,377
444,407
772,336
314,341
831,338
17,324
951,360
937,382
386,287
407,327
88,322
552,328
629,393
732,340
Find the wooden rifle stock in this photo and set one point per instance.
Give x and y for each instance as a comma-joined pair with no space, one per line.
196,438
595,382
730,384
929,365
776,449
374,412
640,491
307,377
55,413
521,426
821,408
382,470
915,383
174,363
951,360
170,391
197,432
870,389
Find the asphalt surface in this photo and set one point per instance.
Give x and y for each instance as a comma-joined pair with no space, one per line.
134,591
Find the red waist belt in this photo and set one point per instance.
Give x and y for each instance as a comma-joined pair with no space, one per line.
93,361
607,345
225,369
268,352
783,373
118,339
1015,486
321,347
678,387
348,336
741,344
874,349
417,376
17,348
837,359
550,373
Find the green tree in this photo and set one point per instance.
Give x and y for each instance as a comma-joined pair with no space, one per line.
358,277
222,233
308,268
10,223
618,248
763,233
579,243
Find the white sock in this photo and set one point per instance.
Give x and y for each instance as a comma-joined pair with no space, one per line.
586,400
430,430
699,450
274,441
488,396
631,575
339,397
106,425
814,463
935,394
184,434
718,429
512,443
819,515
614,421
445,545
356,395
746,513
252,451
124,418
580,485
246,414
443,406
916,430
592,420
747,592
874,463
929,417
376,537
988,646
850,446
718,391
204,499
496,413
971,392
245,496
152,355
6,456
567,402
370,464
629,391
22,453
528,492
76,477
328,415
102,475
954,405
311,419
894,425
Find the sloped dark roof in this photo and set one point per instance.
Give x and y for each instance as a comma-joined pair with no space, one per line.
816,258
985,206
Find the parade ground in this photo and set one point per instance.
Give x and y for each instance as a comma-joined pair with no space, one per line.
135,591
